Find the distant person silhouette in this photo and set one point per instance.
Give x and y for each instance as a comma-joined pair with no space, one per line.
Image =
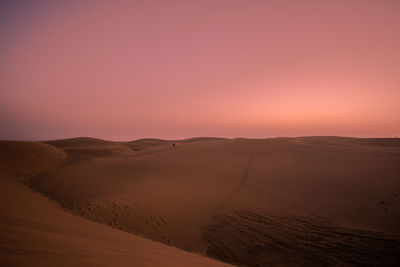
173,145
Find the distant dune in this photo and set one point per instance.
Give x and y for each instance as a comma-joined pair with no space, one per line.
249,202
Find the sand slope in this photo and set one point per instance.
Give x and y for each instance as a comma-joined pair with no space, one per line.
268,202
37,232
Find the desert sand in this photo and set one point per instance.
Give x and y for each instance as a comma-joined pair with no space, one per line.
36,231
249,202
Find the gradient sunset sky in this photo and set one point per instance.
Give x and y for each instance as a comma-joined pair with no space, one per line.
124,70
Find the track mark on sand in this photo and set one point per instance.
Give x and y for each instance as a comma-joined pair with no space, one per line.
242,181
155,222
254,239
208,167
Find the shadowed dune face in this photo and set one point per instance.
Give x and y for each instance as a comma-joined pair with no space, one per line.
84,148
149,143
25,159
183,195
80,142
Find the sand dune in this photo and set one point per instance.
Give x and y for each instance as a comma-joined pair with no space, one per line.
37,232
264,202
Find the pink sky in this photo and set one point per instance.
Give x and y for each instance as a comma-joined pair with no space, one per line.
125,70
